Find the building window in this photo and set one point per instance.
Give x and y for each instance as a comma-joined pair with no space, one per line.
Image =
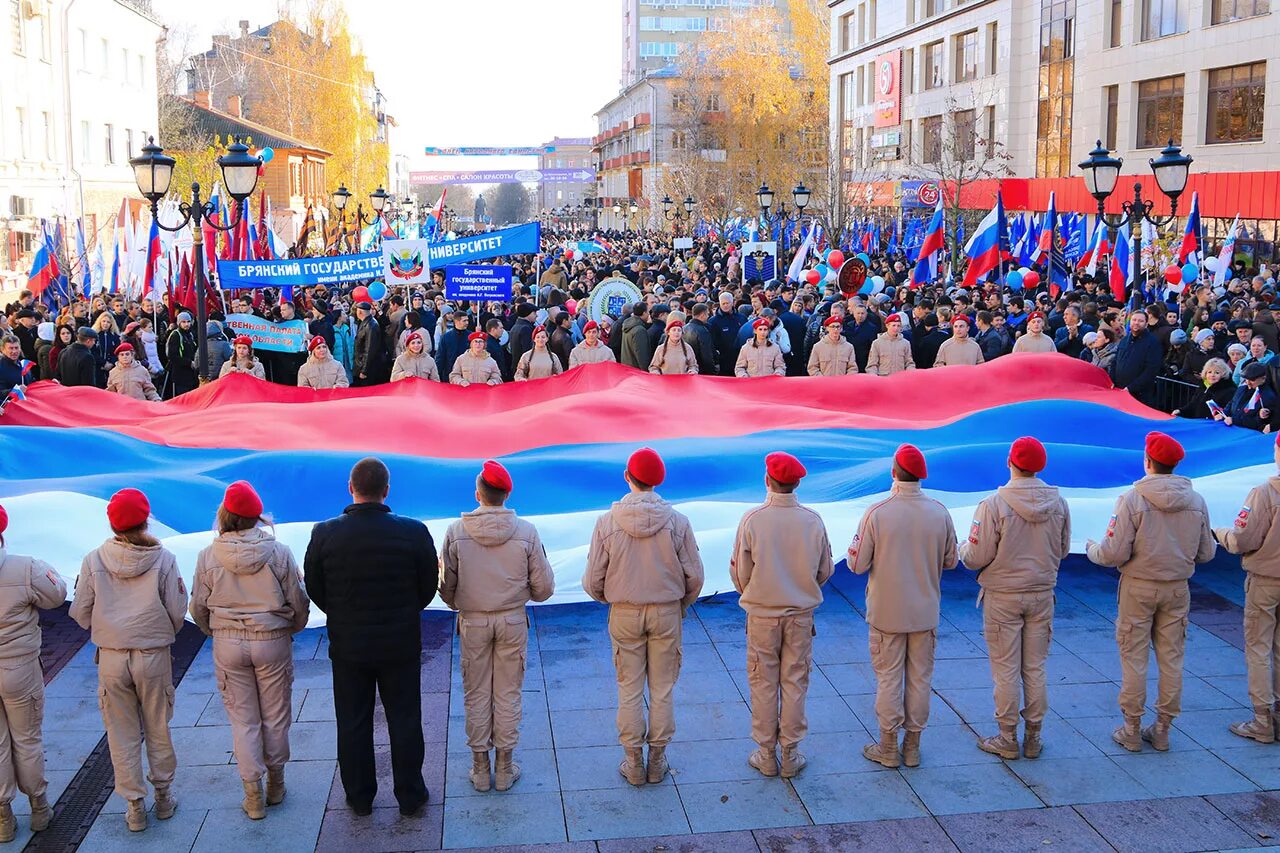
966,51
128,141
931,140
22,133
848,31
679,102
1161,18
84,142
909,71
1236,98
1159,111
713,103
993,47
109,146
990,139
19,29
1114,23
106,58
966,130
1225,11
1055,91
906,140
1113,111
934,7
933,65
678,140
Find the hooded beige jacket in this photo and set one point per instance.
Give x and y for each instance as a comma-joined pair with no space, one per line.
1018,538
781,558
322,373
248,587
643,552
129,596
26,586
1256,532
1159,532
493,560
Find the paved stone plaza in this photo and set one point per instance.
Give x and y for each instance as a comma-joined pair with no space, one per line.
1211,791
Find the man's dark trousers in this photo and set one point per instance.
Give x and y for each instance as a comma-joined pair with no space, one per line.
399,686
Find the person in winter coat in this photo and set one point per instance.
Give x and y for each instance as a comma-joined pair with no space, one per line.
104,347
493,564
1138,360
959,348
44,345
476,366
674,356
832,355
989,337
1253,406
64,337
321,370
15,371
243,360
636,351
369,359
130,378
1258,353
724,325
247,594
344,343
76,366
697,334
1217,389
454,344
891,352
860,329
1201,354
27,585
591,350
760,357
539,362
1034,340
220,351
561,342
414,361
520,340
131,599
180,358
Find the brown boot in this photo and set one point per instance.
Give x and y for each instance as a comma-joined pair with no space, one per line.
135,816
632,766
1261,728
657,765
1004,744
8,823
764,760
41,814
885,752
254,805
793,761
480,770
911,749
505,770
166,805
1130,734
275,786
1031,744
1157,734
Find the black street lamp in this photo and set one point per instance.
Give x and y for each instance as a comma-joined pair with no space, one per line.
675,215
626,212
1102,171
153,171
377,200
799,195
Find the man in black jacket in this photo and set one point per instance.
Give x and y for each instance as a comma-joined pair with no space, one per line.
520,338
75,364
698,335
369,356
724,326
1139,358
372,572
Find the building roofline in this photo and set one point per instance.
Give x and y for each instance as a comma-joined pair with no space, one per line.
252,129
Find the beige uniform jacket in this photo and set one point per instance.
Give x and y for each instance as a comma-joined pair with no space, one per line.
419,366
828,359
781,558
26,585
133,381
469,370
129,596
321,374
904,542
956,351
247,587
538,365
1256,532
889,356
584,353
231,366
759,361
643,552
492,560
1034,343
1159,532
1018,538
670,360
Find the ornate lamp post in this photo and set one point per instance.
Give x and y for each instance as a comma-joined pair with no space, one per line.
799,195
377,200
676,215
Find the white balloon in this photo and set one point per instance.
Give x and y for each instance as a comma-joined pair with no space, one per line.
1211,264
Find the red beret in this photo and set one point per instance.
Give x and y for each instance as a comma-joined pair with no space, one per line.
1028,454
893,318
784,467
127,509
591,324
315,342
675,324
131,328
243,339
124,347
960,318
537,329
833,320
1035,315
241,499
477,336
762,323
1164,449
416,334
4,520
495,475
645,466
911,460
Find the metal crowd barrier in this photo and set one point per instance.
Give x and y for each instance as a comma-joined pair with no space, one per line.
1174,393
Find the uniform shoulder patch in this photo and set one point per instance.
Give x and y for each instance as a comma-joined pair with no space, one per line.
1111,527
1242,518
853,546
974,530
53,578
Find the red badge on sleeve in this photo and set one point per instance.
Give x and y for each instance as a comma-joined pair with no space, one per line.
1242,519
1111,527
973,532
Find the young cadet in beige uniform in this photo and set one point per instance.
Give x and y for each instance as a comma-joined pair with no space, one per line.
1018,538
590,351
130,378
131,600
644,563
890,352
781,558
321,370
475,366
415,362
1035,340
760,356
1256,536
832,355
1159,532
247,594
959,348
674,357
905,542
26,586
494,564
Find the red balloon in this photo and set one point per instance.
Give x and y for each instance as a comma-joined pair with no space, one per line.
835,259
568,255
361,293
1173,274
1031,279
813,276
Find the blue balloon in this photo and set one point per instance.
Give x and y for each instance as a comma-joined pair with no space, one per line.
864,257
1014,280
1190,273
822,269
267,154
377,290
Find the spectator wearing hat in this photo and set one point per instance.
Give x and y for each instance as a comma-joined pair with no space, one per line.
321,370
475,366
959,348
27,585
1034,339
520,339
781,558
891,352
591,350
636,350
247,594
242,360
180,358
1138,360
131,599
26,331
1216,391
539,362
903,544
1254,403
370,355
1018,538
831,354
44,346
1200,355
761,356
220,350
1175,355
674,356
1159,532
644,563
129,377
75,364
414,362
493,564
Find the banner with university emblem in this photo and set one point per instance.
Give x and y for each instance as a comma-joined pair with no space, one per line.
759,260
405,262
610,296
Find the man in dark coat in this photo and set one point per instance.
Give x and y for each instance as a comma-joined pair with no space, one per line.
372,572
724,325
929,339
519,339
454,343
76,364
636,351
561,342
1139,358
698,335
861,330
12,374
369,356
794,324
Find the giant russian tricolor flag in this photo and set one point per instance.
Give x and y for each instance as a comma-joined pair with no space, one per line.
566,440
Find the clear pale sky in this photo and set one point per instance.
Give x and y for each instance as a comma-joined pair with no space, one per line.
466,72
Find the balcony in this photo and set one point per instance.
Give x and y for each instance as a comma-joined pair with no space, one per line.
642,120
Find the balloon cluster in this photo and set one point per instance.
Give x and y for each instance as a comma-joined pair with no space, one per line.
1021,278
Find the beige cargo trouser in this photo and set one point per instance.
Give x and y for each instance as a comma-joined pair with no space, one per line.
135,694
779,658
646,647
1262,638
21,718
493,650
255,678
1151,613
1018,627
903,664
